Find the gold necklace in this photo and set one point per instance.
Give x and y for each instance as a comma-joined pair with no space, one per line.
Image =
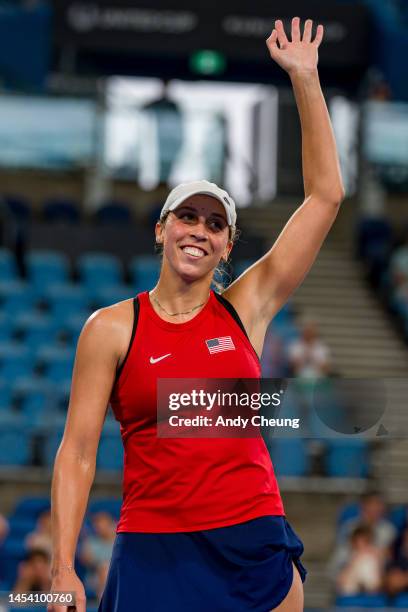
175,314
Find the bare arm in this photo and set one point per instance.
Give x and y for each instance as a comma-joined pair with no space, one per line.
102,344
272,279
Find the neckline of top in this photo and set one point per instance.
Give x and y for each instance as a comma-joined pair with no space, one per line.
169,324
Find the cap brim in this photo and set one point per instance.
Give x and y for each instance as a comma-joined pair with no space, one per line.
185,197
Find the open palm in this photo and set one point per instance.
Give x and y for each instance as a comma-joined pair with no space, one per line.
299,54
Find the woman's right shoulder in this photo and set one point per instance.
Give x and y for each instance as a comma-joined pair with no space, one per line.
110,326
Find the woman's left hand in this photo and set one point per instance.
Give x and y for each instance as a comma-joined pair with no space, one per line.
301,53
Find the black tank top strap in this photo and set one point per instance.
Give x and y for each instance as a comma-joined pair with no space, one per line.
228,306
136,309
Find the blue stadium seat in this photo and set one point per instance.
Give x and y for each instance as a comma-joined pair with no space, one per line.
106,504
67,299
16,297
34,398
11,419
73,325
347,458
6,327
289,456
14,546
99,269
374,234
21,526
401,601
5,394
284,315
15,360
15,446
113,213
108,295
56,362
110,452
399,517
347,512
240,266
63,210
144,271
46,268
287,331
362,601
8,267
19,206
30,507
11,553
36,328
62,393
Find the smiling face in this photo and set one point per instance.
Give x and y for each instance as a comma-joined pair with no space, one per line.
195,237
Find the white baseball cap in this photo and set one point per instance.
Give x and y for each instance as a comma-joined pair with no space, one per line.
185,190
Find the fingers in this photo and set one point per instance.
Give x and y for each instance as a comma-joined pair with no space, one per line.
80,605
278,34
296,29
272,41
307,33
282,39
319,35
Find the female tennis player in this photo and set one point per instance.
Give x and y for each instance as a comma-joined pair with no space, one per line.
202,523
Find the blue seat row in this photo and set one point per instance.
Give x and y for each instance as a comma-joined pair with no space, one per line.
48,268
342,458
68,210
33,399
61,299
37,328
18,435
29,508
372,601
53,362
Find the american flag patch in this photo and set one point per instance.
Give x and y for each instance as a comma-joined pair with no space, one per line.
217,345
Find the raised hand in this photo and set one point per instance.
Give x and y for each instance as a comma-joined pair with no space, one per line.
301,53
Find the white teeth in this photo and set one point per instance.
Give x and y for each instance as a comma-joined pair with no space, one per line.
193,251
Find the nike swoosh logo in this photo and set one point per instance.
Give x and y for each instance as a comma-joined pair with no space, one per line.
153,360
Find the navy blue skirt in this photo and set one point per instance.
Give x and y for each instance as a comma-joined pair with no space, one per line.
241,568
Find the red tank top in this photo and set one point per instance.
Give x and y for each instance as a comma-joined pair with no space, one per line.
187,484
